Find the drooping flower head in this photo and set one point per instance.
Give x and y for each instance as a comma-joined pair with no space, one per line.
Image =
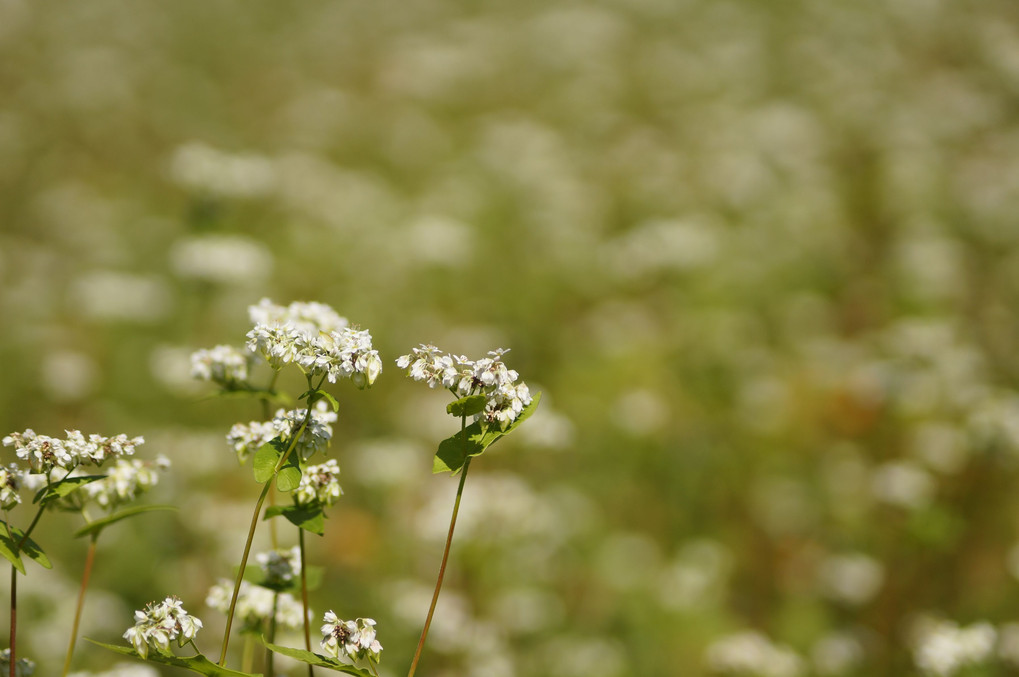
280,566
488,376
160,624
354,638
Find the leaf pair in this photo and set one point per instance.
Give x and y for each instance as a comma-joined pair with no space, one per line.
13,548
454,451
308,517
268,457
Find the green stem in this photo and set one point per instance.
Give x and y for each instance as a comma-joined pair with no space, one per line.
269,657
445,552
251,530
14,618
248,655
304,598
89,559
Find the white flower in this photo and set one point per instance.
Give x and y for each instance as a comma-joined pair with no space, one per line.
160,624
488,376
319,484
226,366
23,668
246,438
254,605
280,566
11,479
751,653
943,648
317,433
354,638
125,482
42,453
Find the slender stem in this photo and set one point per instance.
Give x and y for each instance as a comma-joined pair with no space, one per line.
445,552
251,531
14,618
89,559
266,412
304,598
269,656
248,654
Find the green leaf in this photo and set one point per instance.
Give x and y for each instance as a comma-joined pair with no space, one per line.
197,663
266,458
453,451
29,548
64,487
289,476
467,406
9,550
317,660
100,524
306,517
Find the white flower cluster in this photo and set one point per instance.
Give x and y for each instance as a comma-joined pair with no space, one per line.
751,653
45,453
23,668
160,624
246,438
280,566
128,479
314,337
254,605
488,376
317,434
943,648
11,479
319,484
226,366
354,638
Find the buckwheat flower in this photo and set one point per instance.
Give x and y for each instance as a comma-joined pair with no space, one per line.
317,433
354,638
310,318
246,438
42,453
320,485
100,449
11,479
23,668
160,624
943,648
254,605
489,376
128,479
280,566
223,365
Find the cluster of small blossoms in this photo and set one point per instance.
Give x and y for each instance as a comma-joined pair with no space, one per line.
125,482
11,479
488,376
160,624
307,317
226,366
280,566
318,433
320,484
254,605
246,438
45,453
354,638
23,668
943,648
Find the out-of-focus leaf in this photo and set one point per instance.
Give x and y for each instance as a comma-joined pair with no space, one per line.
100,524
317,660
197,663
308,518
9,549
63,488
28,547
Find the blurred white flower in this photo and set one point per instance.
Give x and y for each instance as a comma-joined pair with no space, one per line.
226,259
751,653
280,566
207,170
640,412
23,668
254,605
903,484
224,365
696,577
107,295
942,648
852,578
68,375
836,653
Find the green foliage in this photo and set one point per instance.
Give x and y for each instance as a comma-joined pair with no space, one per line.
197,663
467,406
64,487
317,660
309,518
317,394
474,439
12,552
266,458
96,527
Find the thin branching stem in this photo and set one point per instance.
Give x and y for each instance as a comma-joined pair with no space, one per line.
445,552
89,559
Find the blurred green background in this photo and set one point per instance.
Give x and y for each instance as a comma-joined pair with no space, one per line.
761,258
